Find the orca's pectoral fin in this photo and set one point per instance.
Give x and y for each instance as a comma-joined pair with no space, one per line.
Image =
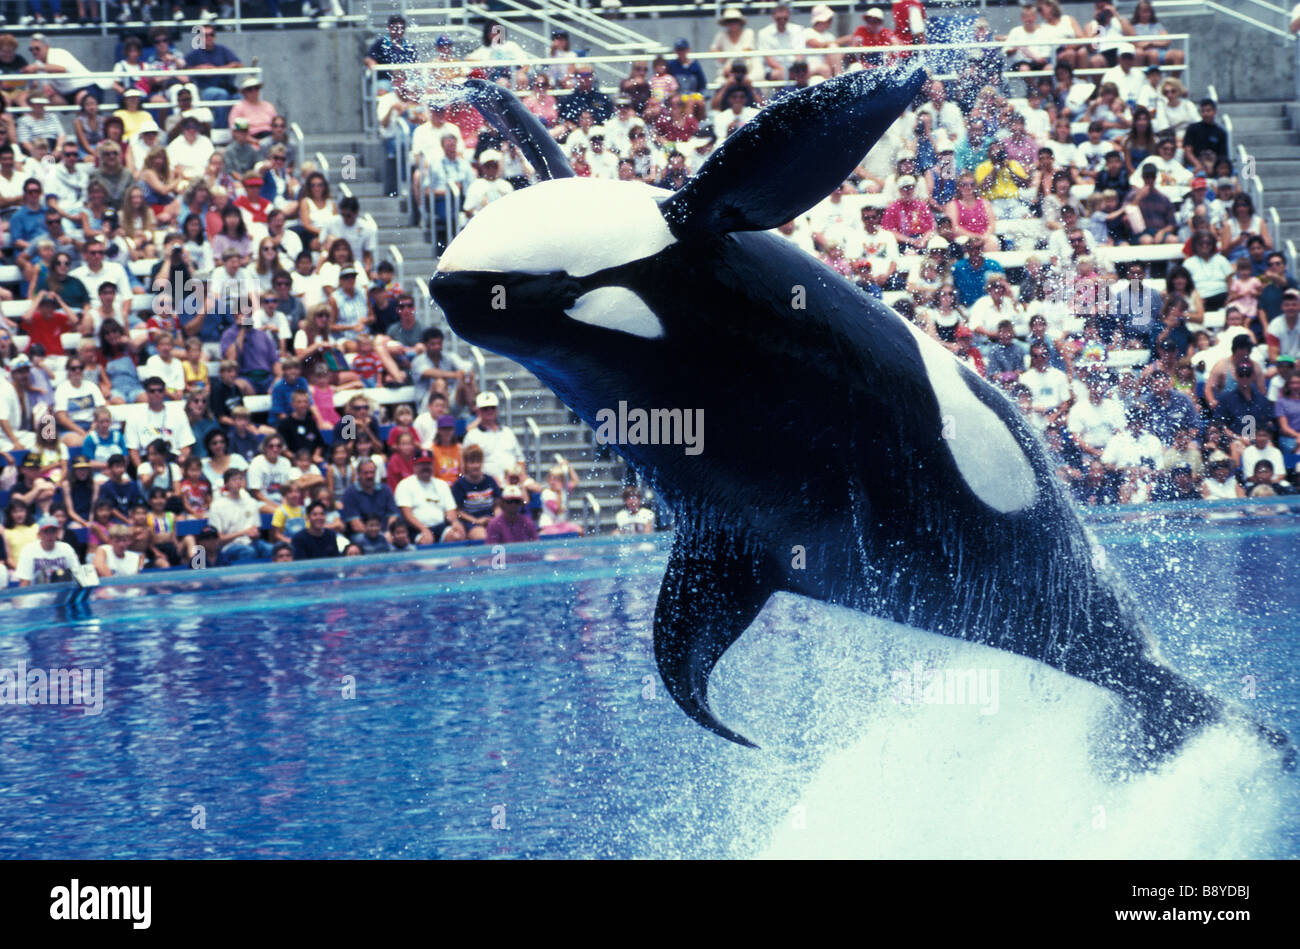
711,592
792,154
505,113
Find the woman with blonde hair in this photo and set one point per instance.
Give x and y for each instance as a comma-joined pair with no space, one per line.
162,184
267,263
1174,111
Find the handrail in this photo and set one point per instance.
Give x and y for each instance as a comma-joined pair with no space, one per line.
179,74
468,64
590,514
296,131
1290,252
510,402
484,11
595,20
1219,8
533,437
480,363
403,165
322,164
399,265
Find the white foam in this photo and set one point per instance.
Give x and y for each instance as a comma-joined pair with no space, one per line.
846,770
574,225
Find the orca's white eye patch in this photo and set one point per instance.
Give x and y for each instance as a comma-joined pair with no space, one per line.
987,454
566,225
617,308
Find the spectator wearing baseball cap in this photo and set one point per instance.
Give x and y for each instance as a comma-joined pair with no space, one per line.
501,449
688,72
48,560
511,526
427,505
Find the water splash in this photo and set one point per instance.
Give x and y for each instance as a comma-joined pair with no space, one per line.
868,775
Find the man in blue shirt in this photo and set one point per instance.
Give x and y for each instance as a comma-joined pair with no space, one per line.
688,73
28,222
970,274
212,55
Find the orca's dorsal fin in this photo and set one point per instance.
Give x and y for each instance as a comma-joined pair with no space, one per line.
792,154
505,113
712,590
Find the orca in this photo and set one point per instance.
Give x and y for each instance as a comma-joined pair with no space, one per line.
849,457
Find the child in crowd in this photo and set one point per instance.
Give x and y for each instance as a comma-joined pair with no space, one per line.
162,527
554,517
290,381
289,517
341,473
195,365
403,421
195,490
1244,288
366,363
244,440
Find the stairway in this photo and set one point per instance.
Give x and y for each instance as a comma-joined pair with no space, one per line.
1270,133
530,398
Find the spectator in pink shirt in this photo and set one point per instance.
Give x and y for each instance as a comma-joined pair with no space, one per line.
511,526
254,108
910,220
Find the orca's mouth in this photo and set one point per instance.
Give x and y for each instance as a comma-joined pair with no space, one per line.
472,295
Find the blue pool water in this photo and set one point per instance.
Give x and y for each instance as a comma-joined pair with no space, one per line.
516,712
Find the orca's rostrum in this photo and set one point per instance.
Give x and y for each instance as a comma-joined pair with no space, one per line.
850,458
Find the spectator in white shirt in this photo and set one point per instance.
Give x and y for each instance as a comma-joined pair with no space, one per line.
501,450
781,34
487,188
359,234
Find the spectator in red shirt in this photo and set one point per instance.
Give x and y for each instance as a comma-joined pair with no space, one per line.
910,220
402,462
45,323
871,33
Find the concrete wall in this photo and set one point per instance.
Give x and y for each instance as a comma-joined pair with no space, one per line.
312,76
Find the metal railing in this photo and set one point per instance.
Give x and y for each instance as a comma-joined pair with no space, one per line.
533,443
480,364
295,130
509,398
464,66
590,514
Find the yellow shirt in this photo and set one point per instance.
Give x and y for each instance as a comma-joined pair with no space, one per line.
1005,184
195,375
16,538
283,513
131,121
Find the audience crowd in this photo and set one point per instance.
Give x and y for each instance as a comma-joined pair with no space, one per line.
201,335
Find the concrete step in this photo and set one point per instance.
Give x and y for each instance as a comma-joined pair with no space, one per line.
1266,152
1278,170
1249,125
1253,140
1235,109
363,189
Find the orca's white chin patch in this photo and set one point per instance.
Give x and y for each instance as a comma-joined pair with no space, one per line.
617,308
987,454
571,225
